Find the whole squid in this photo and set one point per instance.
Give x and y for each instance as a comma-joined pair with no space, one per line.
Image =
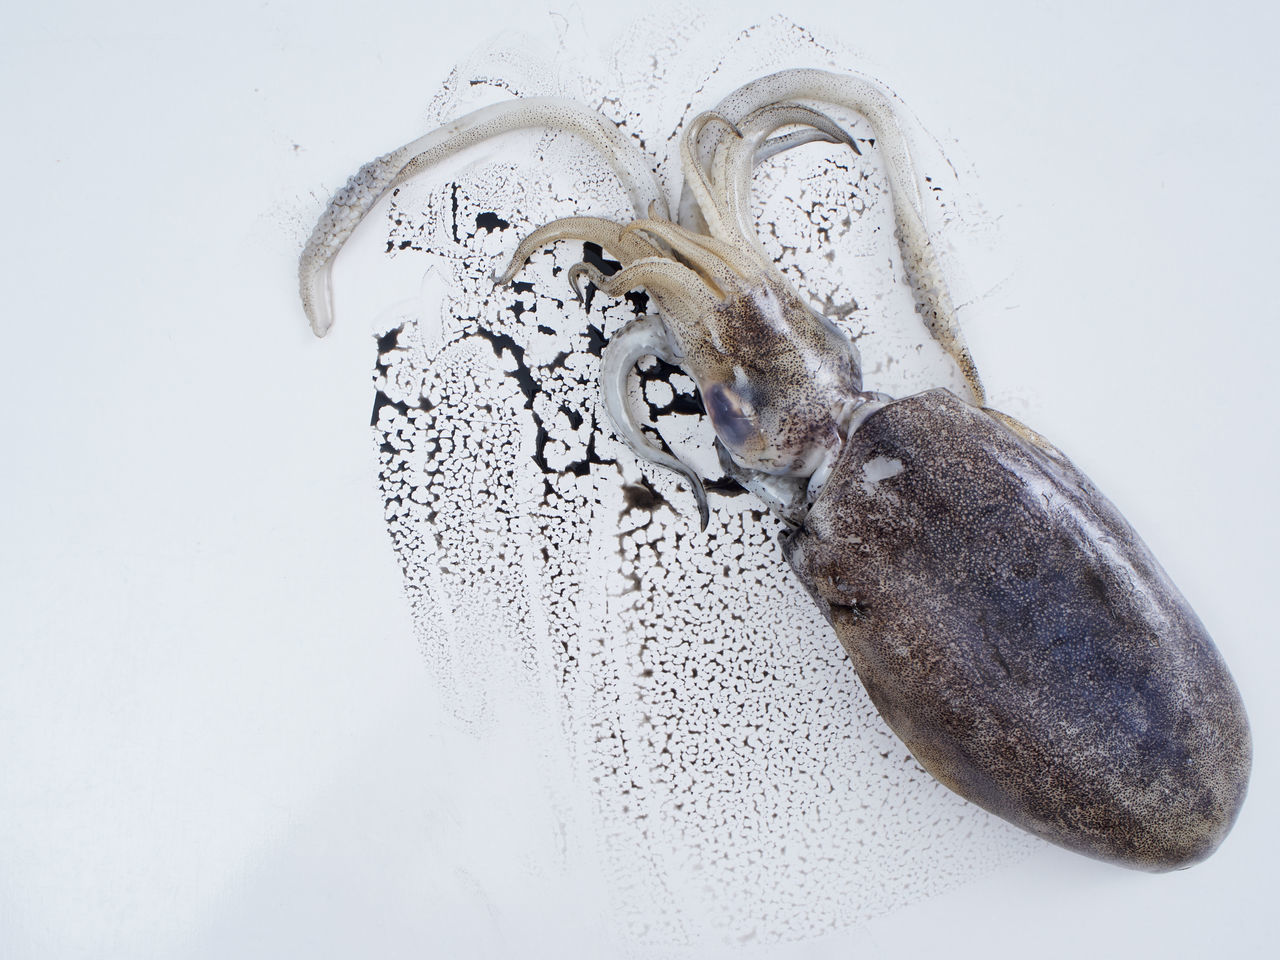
1008,623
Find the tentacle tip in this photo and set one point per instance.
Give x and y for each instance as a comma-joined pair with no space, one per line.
315,288
319,316
576,273
700,495
507,275
843,136
733,127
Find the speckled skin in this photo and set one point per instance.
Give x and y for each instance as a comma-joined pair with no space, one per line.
1019,637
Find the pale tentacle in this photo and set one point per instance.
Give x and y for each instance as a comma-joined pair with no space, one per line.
705,146
645,336
707,181
796,138
740,259
736,159
712,264
711,212
698,146
576,274
876,105
681,294
350,204
613,237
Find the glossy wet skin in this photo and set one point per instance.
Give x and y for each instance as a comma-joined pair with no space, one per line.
1008,623
1019,637
779,398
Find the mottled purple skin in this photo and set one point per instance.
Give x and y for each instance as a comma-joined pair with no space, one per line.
1019,637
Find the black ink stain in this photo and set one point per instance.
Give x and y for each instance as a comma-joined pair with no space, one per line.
639,301
490,221
529,387
381,400
595,340
641,496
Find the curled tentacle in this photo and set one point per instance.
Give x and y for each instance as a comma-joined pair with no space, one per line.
580,271
711,211
735,159
721,184
707,142
681,293
618,240
797,138
372,181
875,104
645,336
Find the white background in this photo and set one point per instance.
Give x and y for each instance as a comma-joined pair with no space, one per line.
211,706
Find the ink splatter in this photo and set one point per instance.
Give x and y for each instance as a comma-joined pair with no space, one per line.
726,777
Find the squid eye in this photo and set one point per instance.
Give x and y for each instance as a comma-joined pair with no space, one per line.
731,416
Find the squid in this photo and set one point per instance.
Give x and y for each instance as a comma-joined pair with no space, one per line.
1007,622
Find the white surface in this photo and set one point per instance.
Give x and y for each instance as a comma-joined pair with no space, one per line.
215,738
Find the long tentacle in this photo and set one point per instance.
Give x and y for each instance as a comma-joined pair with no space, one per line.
642,337
708,141
737,158
350,204
697,184
876,105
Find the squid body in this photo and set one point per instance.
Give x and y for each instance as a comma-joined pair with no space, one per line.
1007,622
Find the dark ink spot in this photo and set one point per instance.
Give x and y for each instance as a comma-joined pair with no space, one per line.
641,496
491,221
573,416
390,340
639,301
381,400
454,218
595,340
725,486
